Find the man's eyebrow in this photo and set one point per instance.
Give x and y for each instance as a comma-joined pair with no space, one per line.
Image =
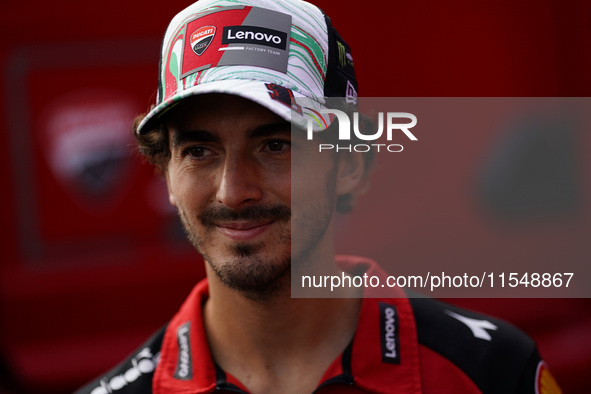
266,130
182,137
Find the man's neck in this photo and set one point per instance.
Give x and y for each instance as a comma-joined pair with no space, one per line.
279,341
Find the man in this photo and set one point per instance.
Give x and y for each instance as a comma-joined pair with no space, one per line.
257,201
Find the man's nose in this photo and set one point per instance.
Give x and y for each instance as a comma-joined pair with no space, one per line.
240,183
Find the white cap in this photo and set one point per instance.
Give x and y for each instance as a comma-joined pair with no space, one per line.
267,51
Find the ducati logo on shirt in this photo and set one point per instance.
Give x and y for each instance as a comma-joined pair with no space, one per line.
201,38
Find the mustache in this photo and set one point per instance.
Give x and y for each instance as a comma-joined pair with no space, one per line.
214,215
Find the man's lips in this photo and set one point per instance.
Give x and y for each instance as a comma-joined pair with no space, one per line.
243,231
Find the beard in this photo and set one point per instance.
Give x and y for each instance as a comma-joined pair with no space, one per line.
247,269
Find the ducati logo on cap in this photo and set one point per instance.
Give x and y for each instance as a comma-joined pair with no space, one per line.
201,38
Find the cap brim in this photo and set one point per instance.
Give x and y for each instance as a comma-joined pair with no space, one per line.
256,91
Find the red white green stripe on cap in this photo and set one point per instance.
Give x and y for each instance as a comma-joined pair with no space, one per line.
250,48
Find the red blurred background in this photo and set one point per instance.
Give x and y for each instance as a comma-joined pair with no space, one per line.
92,258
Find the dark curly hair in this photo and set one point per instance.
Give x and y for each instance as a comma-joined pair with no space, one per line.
153,145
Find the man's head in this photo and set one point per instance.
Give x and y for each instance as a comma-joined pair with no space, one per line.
230,177
221,134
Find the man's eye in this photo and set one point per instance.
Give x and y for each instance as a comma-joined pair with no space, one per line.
196,151
277,145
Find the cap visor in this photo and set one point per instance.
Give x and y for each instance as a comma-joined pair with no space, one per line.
256,91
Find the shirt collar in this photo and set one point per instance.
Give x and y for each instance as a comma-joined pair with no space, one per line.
386,319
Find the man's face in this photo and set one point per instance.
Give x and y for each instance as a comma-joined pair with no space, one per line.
229,176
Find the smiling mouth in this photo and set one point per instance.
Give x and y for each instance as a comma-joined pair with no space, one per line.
243,231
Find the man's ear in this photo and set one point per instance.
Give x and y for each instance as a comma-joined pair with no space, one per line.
351,173
169,187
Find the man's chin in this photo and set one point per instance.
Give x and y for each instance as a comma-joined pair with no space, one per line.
254,276
246,250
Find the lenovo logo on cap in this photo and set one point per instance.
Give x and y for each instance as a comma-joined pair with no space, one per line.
201,38
254,35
